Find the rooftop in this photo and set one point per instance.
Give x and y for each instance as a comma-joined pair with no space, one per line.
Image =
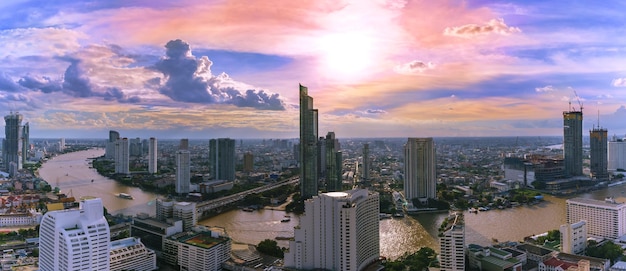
604,203
202,239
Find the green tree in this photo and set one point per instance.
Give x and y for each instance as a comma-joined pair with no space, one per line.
608,250
270,247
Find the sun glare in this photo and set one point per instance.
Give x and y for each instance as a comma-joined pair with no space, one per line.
345,55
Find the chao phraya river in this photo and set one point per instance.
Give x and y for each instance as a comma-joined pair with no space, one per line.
398,235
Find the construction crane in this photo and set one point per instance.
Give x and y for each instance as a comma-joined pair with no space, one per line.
579,102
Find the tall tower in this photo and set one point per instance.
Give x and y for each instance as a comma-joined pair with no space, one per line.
338,231
599,165
366,163
420,178
452,242
308,145
334,163
122,156
248,162
222,158
573,142
183,168
75,239
152,156
110,147
25,138
12,148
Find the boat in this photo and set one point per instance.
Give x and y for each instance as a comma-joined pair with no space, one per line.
283,238
382,216
125,196
286,219
247,209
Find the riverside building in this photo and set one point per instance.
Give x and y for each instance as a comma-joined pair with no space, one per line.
605,219
338,231
152,156
452,242
573,143
130,254
308,145
420,180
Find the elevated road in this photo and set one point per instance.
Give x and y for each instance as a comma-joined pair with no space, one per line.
208,205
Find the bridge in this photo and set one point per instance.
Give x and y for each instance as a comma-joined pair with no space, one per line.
208,205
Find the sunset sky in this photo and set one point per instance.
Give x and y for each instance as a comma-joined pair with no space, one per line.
375,68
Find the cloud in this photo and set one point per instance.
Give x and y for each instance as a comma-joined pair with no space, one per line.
376,111
496,26
189,79
619,82
548,88
414,67
7,84
41,83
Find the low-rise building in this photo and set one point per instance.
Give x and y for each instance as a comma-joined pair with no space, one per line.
492,259
130,254
201,249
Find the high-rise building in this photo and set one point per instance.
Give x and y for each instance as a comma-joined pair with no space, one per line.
334,163
25,138
573,142
183,168
321,158
598,154
338,231
248,162
153,232
164,208
452,242
308,145
222,158
135,147
606,219
574,237
186,211
122,156
75,239
420,180
110,147
12,144
366,163
152,156
130,254
61,144
617,154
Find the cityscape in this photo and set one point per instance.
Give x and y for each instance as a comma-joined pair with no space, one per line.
313,135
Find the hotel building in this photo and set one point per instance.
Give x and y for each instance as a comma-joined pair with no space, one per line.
452,243
605,219
338,231
130,254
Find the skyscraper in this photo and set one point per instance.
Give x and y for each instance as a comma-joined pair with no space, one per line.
338,231
605,219
573,142
25,138
308,145
222,158
248,162
334,163
598,142
452,242
122,156
152,156
617,154
366,163
420,178
110,147
183,170
12,147
76,239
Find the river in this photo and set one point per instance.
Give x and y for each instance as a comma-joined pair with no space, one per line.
71,172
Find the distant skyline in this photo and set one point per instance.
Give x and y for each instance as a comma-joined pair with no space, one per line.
379,68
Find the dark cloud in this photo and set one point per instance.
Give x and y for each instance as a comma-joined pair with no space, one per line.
189,79
75,83
7,84
116,94
414,67
376,111
43,84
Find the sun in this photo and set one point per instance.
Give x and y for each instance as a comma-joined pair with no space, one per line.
345,55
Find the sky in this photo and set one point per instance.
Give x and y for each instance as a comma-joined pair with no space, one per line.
375,68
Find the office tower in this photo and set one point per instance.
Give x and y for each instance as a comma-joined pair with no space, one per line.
308,145
366,163
222,158
130,254
248,162
75,239
338,231
185,211
110,147
122,156
135,146
183,168
420,179
605,219
145,146
574,237
573,142
61,144
452,242
296,152
200,249
184,144
598,154
152,156
12,147
153,232
617,154
334,163
321,158
25,138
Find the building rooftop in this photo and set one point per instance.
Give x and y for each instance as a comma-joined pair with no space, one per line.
200,239
126,242
608,203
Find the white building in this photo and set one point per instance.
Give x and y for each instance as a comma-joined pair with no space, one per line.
76,239
616,155
338,231
130,254
186,211
183,172
198,250
452,242
122,156
152,156
420,180
32,217
605,219
574,237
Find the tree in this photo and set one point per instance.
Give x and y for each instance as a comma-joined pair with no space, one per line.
270,247
608,250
